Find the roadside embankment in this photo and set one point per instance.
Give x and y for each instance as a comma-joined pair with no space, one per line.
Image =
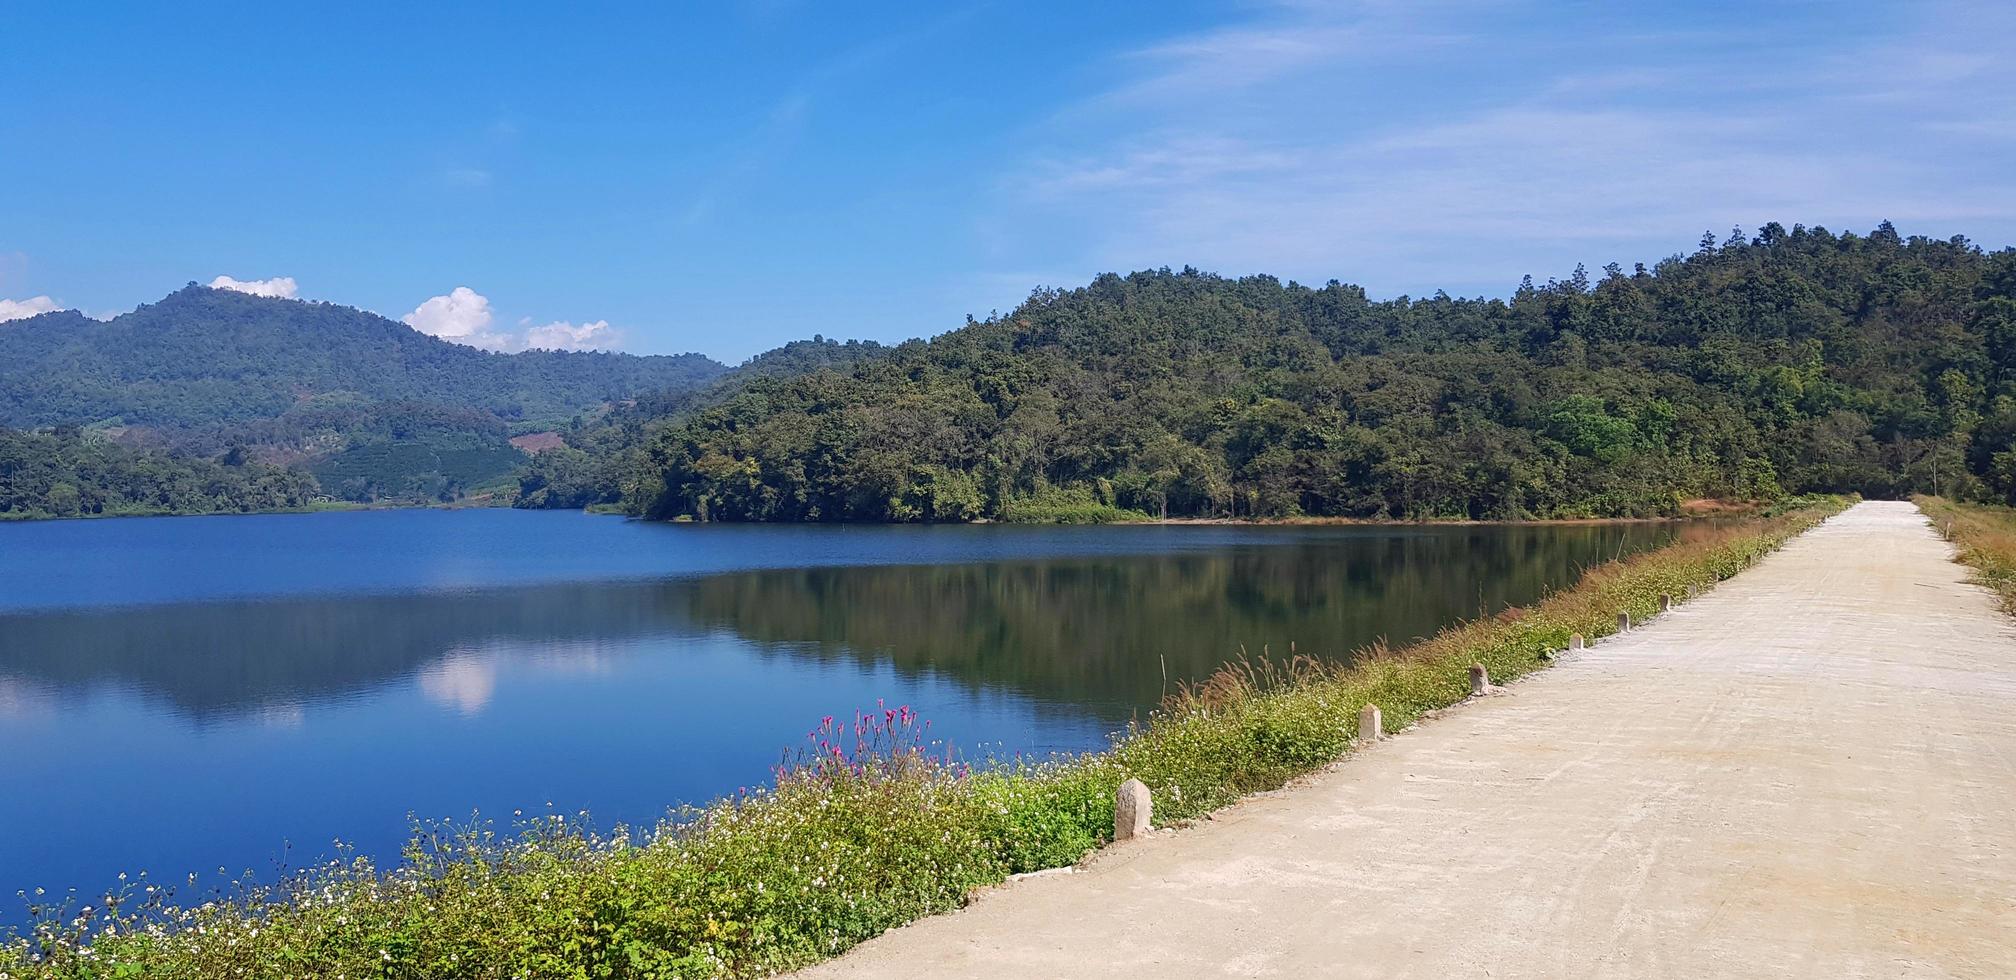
1985,536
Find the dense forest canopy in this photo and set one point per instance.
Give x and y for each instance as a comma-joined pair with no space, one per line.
67,473
1786,361
372,408
590,469
1791,360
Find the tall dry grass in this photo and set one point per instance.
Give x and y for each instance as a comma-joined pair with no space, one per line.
1985,535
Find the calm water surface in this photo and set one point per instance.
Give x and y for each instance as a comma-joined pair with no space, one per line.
184,694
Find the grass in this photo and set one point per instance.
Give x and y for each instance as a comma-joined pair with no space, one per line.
1986,537
1054,505
866,828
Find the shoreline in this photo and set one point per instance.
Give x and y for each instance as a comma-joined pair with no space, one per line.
912,835
610,511
1394,522
323,507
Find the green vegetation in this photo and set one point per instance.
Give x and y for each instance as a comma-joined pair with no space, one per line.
375,409
595,468
74,474
1048,505
1986,537
442,467
1792,361
568,479
203,357
867,829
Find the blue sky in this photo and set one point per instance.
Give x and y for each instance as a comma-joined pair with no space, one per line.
727,177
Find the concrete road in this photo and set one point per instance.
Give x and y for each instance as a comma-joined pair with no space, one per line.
1809,772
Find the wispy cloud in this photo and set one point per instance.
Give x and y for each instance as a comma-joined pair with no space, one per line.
470,155
778,131
1294,40
1392,145
466,177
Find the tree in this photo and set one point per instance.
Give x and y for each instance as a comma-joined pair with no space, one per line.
1792,362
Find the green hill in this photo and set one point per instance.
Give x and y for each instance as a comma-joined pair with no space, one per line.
203,357
1793,360
375,409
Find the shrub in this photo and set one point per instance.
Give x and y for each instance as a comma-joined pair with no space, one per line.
1052,505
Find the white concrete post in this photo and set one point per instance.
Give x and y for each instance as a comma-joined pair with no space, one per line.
1133,810
1371,724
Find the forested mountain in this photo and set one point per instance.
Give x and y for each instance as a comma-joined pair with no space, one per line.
71,474
1787,361
1794,360
375,409
592,467
202,357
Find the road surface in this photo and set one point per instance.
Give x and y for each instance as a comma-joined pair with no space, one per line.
1808,772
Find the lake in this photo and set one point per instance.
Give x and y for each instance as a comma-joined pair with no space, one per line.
194,693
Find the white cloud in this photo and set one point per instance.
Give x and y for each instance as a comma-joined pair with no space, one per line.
464,316
278,287
562,335
21,309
